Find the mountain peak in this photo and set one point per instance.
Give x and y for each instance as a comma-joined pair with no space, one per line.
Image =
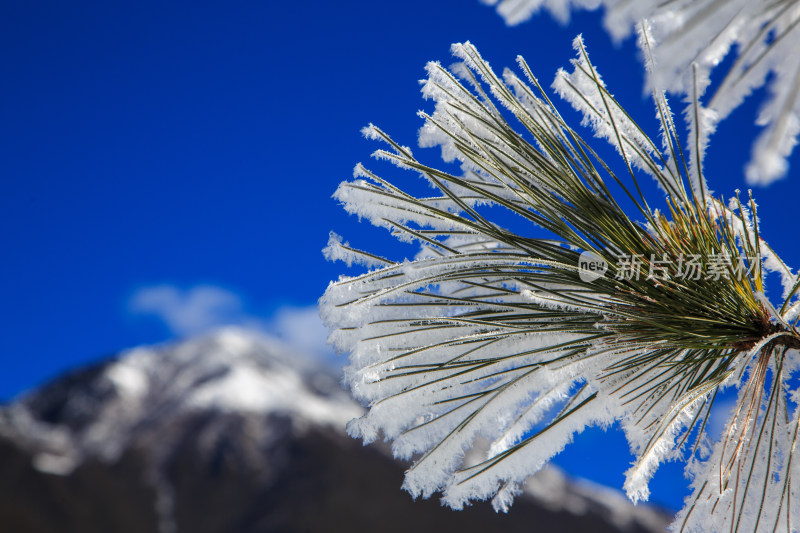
101,409
233,428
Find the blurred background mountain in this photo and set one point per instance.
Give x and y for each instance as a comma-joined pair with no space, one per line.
233,432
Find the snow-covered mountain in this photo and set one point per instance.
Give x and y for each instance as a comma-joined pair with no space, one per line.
102,411
233,432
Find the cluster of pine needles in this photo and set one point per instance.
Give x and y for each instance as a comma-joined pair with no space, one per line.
454,336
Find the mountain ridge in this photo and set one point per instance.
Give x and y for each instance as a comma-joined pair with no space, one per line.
232,431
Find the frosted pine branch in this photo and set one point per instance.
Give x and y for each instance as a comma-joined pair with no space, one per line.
511,337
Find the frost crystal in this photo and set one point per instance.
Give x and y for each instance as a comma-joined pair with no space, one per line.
689,38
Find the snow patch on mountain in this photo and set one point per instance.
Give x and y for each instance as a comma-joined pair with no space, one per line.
557,492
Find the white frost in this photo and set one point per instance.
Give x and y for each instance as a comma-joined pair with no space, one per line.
690,38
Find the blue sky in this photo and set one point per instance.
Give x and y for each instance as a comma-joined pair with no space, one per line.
165,167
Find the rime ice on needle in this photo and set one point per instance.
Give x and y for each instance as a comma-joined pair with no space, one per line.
691,37
494,336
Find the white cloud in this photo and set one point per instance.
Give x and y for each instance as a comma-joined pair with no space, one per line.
301,328
188,311
194,310
721,412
